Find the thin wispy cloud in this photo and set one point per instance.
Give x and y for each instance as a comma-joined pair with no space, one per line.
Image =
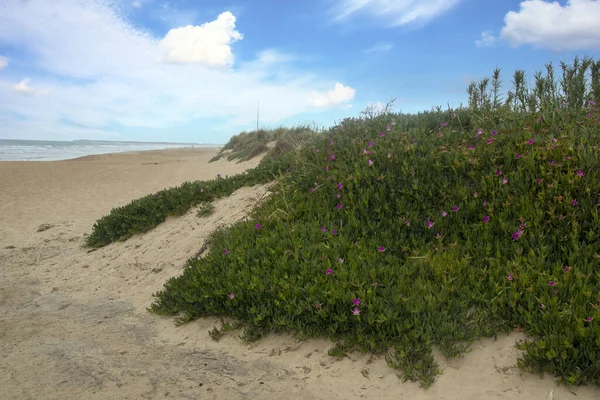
24,88
572,26
3,62
486,40
380,48
395,12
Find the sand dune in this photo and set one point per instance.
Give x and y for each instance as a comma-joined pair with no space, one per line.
74,325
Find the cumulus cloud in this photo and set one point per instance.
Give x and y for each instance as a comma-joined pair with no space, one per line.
396,12
380,48
208,44
573,26
3,62
24,88
487,40
338,95
110,75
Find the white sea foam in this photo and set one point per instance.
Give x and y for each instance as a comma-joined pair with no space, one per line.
25,150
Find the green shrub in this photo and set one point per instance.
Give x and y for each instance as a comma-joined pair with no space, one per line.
443,235
205,210
145,213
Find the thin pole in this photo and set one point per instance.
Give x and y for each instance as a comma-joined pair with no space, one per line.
257,111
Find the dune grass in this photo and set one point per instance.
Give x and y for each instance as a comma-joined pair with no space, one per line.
395,233
248,145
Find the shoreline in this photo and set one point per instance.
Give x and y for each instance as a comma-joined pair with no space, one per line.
211,148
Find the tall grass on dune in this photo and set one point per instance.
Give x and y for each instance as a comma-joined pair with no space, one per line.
248,145
396,233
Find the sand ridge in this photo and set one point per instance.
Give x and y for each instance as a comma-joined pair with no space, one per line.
74,324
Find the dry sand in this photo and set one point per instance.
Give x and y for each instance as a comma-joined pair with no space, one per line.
74,325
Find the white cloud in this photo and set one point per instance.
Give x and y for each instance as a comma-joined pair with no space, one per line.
338,95
397,12
574,26
102,73
136,4
380,48
487,39
208,44
3,62
24,88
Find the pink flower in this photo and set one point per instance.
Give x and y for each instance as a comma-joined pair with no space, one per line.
312,190
356,311
517,235
485,203
258,226
531,141
555,140
517,156
509,277
325,168
430,224
444,213
389,155
471,147
370,162
543,306
574,202
364,151
356,302
333,232
494,133
370,144
443,124
504,180
226,251
382,134
438,236
339,206
231,296
340,260
338,195
580,174
328,272
552,283
381,249
567,158
332,157
388,128
323,229
479,131
553,162
498,172
455,208
340,186
490,141
475,194
589,319
538,181
486,219
567,268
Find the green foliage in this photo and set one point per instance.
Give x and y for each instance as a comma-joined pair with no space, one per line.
205,210
147,212
397,268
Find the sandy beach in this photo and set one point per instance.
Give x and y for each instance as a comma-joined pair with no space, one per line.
74,324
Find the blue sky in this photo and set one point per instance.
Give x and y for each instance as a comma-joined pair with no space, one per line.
193,71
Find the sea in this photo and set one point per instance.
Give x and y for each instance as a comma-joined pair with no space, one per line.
41,150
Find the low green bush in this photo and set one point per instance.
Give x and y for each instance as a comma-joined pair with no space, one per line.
145,213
